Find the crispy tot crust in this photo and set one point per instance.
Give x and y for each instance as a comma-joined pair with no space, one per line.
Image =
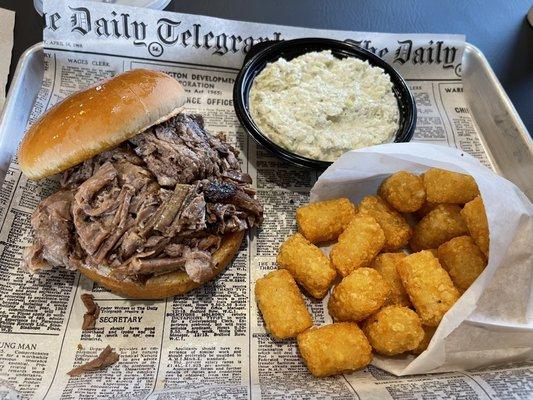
394,330
449,187
475,217
325,220
396,229
435,252
334,349
360,242
386,265
438,226
404,191
463,261
282,305
425,209
429,331
308,265
358,296
429,286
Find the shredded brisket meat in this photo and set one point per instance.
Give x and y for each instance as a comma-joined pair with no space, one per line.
106,358
159,202
92,314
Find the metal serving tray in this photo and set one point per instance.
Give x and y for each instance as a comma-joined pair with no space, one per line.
502,131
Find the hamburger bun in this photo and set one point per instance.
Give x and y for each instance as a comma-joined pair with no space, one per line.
170,284
98,119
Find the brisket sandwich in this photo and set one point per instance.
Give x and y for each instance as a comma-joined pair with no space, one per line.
150,205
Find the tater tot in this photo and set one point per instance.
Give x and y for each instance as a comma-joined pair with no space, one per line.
396,229
360,242
438,226
334,349
282,305
425,209
394,330
325,220
429,286
385,264
474,215
463,261
429,331
435,252
359,295
310,267
449,187
404,191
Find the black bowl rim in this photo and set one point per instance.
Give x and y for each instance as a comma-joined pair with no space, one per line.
272,52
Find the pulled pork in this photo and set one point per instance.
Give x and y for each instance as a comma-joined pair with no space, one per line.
92,314
158,203
106,358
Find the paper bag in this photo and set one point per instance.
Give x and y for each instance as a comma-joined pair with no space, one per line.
492,322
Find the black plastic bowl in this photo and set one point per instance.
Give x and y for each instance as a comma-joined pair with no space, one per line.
266,52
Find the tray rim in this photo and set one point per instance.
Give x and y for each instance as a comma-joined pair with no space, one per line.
15,81
501,91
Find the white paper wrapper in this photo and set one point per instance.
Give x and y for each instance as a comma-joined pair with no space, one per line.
492,322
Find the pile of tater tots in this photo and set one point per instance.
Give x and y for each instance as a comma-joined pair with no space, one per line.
398,262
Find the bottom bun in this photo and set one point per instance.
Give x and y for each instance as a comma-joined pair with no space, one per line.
171,284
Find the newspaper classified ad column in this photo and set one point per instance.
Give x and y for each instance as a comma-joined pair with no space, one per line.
430,126
133,328
443,386
465,133
443,117
511,381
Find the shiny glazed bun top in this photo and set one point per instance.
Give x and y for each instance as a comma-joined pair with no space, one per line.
98,119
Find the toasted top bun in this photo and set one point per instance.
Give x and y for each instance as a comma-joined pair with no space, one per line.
98,119
169,284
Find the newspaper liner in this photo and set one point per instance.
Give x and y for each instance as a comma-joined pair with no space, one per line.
481,328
